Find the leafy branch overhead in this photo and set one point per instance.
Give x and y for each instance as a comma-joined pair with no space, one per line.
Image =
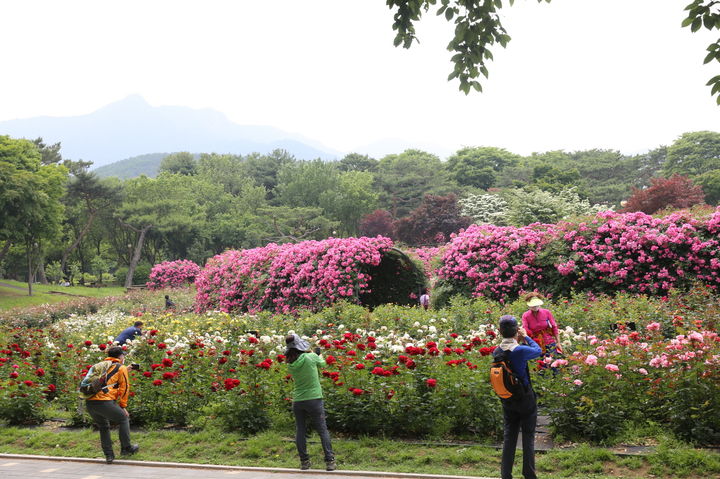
478,27
706,14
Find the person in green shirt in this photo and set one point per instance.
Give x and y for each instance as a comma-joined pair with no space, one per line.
307,398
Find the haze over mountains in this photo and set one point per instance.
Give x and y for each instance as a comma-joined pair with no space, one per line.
131,128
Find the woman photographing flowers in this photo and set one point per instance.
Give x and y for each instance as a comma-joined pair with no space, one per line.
307,398
541,326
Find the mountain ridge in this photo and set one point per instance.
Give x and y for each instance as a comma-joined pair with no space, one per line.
131,127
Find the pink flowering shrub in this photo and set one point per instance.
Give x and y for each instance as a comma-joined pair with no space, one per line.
428,256
636,252
495,261
614,252
310,274
173,274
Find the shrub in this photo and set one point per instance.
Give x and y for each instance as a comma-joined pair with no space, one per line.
173,274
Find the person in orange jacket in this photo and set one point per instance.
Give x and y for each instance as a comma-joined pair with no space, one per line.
110,403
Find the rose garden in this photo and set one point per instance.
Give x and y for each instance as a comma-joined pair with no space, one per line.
635,296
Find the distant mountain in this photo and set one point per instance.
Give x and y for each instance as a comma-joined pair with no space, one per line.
147,165
131,127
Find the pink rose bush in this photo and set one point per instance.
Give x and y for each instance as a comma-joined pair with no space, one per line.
495,261
310,274
614,252
173,274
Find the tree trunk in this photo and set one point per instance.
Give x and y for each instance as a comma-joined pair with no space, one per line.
6,248
136,256
76,243
40,268
30,271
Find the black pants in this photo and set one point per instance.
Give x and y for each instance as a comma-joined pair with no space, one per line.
521,415
103,413
311,410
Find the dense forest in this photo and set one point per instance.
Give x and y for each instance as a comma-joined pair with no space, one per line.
61,222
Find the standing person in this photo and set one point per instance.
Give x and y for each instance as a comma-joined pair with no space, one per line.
307,398
110,403
540,325
129,333
518,413
425,300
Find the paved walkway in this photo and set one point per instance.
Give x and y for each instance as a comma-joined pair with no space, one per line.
17,466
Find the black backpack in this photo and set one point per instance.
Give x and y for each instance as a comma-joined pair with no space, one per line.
91,386
506,384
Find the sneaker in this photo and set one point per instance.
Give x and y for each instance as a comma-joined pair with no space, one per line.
330,465
305,465
129,451
109,459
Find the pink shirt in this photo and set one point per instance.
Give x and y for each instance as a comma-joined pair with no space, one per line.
542,320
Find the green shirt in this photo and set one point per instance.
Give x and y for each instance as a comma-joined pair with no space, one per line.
305,374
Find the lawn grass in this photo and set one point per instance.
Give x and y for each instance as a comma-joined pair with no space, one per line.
272,449
13,297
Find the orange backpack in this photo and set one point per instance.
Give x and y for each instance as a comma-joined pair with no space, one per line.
504,381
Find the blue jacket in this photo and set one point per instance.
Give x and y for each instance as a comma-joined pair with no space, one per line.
128,333
521,355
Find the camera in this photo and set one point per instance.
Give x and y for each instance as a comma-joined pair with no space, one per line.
135,367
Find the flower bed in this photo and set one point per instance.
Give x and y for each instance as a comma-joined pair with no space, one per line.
395,371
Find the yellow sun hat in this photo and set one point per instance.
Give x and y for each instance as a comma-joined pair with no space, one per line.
535,302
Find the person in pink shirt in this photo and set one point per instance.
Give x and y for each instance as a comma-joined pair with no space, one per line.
540,325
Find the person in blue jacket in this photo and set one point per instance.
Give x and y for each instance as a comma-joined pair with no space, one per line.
518,413
130,333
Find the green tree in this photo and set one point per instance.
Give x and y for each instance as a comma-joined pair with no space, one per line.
710,183
264,169
182,163
30,195
357,162
693,154
301,184
353,198
406,178
479,166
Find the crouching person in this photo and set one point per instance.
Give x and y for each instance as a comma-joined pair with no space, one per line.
307,398
109,404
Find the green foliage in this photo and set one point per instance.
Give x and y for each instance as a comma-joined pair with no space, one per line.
182,163
478,167
693,154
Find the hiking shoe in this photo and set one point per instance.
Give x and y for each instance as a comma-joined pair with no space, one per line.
129,451
305,465
330,465
109,459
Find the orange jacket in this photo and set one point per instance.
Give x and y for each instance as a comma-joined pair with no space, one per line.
119,393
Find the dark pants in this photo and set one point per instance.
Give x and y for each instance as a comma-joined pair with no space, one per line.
312,410
103,413
522,415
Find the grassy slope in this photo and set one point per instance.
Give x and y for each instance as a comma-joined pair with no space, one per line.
13,297
271,450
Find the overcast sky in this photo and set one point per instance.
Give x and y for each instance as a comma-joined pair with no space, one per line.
578,74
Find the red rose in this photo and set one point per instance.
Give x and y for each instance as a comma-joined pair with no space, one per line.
51,388
153,332
161,345
28,383
155,366
167,362
39,372
13,375
226,353
147,374
88,343
330,359
157,382
102,347
431,382
168,376
253,340
222,360
359,366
